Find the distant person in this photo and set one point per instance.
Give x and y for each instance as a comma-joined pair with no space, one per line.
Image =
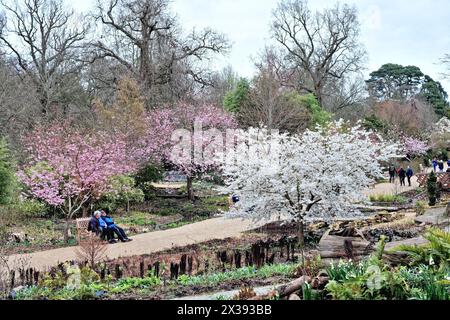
391,173
441,166
448,163
98,226
402,176
409,175
113,228
435,164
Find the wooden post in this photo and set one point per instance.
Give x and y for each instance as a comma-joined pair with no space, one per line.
190,265
36,278
156,265
237,259
174,271
141,269
183,264
118,272
13,279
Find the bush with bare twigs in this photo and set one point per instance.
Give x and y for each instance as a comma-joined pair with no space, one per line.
91,249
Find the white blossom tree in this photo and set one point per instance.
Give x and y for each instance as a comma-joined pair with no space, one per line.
321,173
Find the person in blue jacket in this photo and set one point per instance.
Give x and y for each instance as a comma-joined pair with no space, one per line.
113,227
435,164
409,175
98,226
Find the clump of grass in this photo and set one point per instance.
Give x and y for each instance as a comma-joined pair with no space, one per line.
389,198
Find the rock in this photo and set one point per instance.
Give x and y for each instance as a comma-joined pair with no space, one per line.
145,230
294,297
17,237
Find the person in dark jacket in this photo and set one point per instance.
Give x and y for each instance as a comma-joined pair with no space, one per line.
114,228
441,165
98,226
409,175
391,173
435,164
402,176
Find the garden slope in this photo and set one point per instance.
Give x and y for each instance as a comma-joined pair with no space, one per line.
217,228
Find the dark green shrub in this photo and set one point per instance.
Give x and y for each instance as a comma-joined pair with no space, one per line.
146,176
432,189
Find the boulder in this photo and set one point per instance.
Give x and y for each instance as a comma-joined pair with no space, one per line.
351,245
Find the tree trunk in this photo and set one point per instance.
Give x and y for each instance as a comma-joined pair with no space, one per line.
190,189
66,230
85,211
301,238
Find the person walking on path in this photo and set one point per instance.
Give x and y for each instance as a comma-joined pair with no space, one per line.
409,175
435,164
402,176
391,173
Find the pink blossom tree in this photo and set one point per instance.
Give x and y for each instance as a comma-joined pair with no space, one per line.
67,168
414,147
188,136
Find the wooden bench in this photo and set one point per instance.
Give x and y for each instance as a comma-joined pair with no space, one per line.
82,225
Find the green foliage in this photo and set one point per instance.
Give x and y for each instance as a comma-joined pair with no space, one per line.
387,198
146,176
375,124
8,183
434,94
432,189
136,218
374,280
122,191
126,284
318,115
394,81
234,99
266,271
436,252
420,207
30,208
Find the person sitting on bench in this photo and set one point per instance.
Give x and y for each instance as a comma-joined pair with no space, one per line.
98,226
113,227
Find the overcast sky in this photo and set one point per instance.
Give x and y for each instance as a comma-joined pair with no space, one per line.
407,32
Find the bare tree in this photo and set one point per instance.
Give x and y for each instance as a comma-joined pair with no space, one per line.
322,45
20,108
272,105
41,38
407,117
345,97
144,37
